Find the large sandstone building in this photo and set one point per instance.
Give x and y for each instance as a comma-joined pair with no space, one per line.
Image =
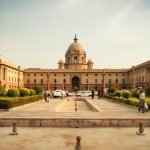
75,73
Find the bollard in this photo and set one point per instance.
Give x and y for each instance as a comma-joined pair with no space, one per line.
141,129
14,131
76,106
78,144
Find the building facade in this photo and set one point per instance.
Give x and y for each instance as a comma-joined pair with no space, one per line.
75,73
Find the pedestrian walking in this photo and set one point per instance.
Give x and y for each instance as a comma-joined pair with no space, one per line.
45,96
99,94
92,94
141,100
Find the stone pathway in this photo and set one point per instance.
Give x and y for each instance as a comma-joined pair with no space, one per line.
64,139
50,110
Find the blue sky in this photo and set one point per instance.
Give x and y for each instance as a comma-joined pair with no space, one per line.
37,33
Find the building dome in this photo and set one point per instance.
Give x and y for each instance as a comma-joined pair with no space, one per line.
90,61
61,61
75,47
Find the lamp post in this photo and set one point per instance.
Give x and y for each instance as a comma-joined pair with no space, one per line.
103,84
133,78
48,81
18,77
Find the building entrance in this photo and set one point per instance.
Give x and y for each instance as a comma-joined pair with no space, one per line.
75,83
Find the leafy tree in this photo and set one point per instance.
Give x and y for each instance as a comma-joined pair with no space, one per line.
147,91
38,89
134,93
112,90
2,91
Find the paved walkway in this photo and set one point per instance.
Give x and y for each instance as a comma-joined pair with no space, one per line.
55,109
64,139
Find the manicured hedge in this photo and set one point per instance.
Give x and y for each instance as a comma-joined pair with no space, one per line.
13,93
7,102
130,101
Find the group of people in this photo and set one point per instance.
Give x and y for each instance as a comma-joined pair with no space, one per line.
99,94
47,96
142,103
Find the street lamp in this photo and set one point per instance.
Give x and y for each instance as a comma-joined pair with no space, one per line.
48,81
103,84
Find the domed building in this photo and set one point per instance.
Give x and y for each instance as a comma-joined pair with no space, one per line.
75,73
75,57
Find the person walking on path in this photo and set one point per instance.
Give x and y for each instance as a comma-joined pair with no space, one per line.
45,96
99,94
142,100
92,94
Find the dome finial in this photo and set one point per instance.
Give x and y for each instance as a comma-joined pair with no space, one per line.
75,38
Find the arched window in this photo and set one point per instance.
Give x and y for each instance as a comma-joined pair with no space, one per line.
82,59
64,80
68,59
75,59
55,81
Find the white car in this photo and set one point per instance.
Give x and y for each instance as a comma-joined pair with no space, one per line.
83,93
59,93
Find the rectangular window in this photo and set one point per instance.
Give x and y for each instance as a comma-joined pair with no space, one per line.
142,78
95,80
109,81
41,81
123,81
87,81
116,80
28,81
34,80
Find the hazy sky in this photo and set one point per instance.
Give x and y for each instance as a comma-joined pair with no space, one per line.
37,33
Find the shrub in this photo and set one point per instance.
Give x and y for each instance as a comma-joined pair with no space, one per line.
117,93
38,89
111,90
2,91
134,94
13,93
24,92
147,91
126,94
7,102
32,92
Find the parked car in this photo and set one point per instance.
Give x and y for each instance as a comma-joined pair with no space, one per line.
59,93
83,93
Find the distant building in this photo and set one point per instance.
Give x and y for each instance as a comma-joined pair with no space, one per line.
75,73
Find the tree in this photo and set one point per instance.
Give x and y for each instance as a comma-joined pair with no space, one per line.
2,91
38,89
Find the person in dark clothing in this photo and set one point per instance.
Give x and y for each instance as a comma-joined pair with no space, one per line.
92,94
45,96
99,94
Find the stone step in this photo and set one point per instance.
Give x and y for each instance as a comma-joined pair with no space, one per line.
75,122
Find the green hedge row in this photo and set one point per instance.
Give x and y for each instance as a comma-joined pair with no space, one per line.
130,101
7,102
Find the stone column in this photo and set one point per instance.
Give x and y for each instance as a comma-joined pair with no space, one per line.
103,84
18,77
48,81
133,78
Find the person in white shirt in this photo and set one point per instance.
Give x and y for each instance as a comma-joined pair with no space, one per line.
142,100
